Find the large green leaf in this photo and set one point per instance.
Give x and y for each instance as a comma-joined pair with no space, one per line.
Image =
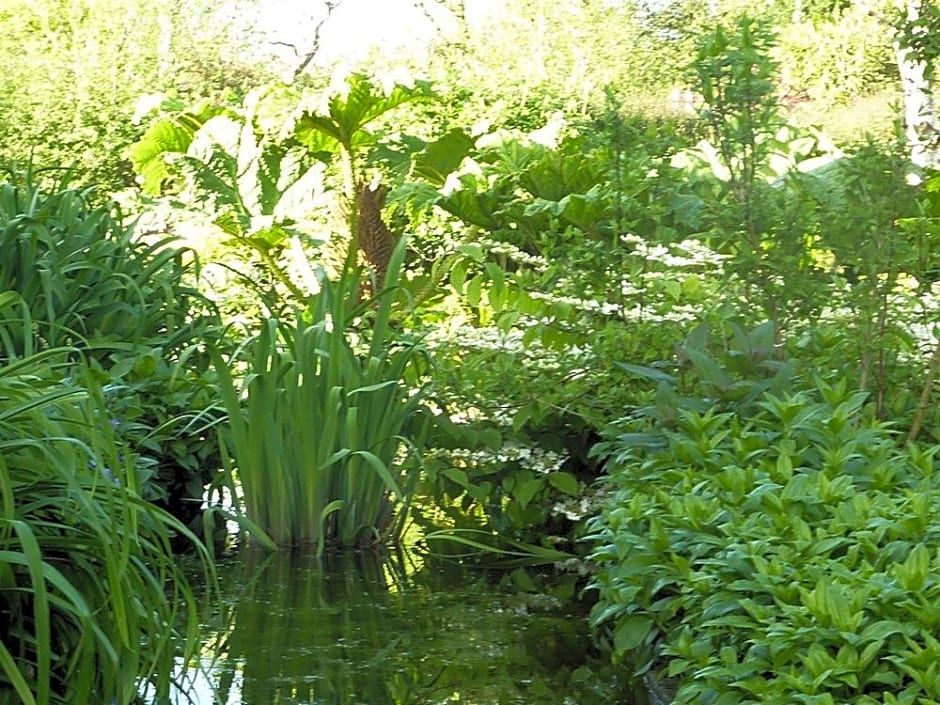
147,155
470,205
631,632
559,174
351,109
650,373
710,371
442,156
317,132
364,101
586,210
169,135
215,186
565,482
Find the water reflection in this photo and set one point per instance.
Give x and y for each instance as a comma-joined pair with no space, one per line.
356,630
307,631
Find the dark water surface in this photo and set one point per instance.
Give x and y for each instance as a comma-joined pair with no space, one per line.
361,630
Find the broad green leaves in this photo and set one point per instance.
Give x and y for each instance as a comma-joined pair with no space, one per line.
171,135
234,163
745,366
274,172
771,555
244,171
442,157
632,632
353,106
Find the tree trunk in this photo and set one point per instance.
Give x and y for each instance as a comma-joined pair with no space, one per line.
920,113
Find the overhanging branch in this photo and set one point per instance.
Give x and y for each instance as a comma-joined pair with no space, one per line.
330,6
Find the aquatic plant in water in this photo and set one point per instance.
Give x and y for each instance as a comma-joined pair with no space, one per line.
318,443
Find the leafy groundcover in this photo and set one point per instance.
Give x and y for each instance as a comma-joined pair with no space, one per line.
784,556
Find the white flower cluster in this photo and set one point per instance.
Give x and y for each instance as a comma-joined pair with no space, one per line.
589,305
700,254
925,335
575,508
921,316
686,254
534,458
532,355
505,249
587,505
467,336
628,286
692,252
917,313
681,313
466,413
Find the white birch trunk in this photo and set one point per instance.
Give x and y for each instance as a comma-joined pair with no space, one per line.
920,113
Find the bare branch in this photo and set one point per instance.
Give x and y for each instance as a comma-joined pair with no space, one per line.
330,6
423,7
456,8
293,47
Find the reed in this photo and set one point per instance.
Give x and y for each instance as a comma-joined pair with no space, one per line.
317,423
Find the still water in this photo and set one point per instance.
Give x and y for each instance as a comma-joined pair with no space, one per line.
364,630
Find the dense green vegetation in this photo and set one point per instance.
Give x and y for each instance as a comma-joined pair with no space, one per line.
774,554
681,350
90,591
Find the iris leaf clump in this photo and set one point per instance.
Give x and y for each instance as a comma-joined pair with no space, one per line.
318,424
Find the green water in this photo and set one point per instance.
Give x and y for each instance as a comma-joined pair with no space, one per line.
366,631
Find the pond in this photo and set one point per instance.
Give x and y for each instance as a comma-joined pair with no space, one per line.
361,630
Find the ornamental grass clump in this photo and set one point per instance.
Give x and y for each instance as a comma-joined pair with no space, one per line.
85,278
317,426
93,605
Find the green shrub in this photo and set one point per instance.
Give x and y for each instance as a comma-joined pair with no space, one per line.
784,555
75,274
849,55
166,411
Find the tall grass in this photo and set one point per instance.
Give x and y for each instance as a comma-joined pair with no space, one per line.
318,440
90,594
